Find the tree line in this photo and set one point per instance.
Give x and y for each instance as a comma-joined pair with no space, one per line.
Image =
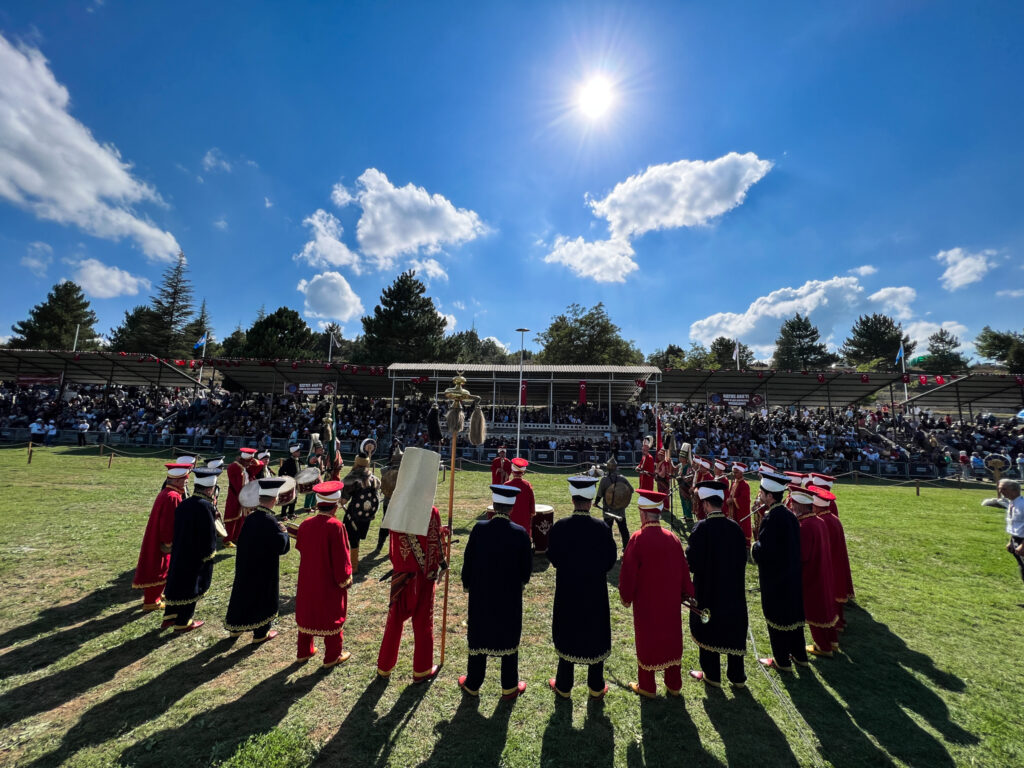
406,326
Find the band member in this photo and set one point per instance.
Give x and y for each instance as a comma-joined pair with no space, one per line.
738,506
717,556
155,554
778,557
664,471
238,476
842,579
388,480
325,574
263,457
655,581
290,468
683,472
525,507
261,543
827,482
816,571
582,551
195,544
361,495
318,461
186,457
614,493
496,566
702,474
645,469
501,468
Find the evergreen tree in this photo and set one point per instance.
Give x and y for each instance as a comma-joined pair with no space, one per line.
468,347
672,356
173,307
723,349
234,345
876,337
52,324
799,346
194,332
136,331
944,358
585,337
1006,347
283,334
342,349
405,327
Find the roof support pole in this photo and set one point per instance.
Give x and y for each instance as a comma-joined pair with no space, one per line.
768,408
494,394
959,407
828,394
391,417
551,399
610,402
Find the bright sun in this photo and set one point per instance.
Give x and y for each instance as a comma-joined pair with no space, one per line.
595,97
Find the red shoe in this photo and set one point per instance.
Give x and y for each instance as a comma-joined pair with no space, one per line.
514,693
462,685
770,662
426,675
269,636
189,627
551,685
635,688
696,674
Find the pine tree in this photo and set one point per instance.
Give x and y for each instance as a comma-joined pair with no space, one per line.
1005,347
799,347
173,307
283,334
585,337
405,327
234,345
876,338
136,331
723,349
52,324
944,358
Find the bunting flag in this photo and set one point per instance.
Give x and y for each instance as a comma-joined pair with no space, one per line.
583,393
923,379
641,383
865,379
522,393
1020,381
821,378
906,378
940,380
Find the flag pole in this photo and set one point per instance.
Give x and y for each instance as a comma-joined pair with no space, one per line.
903,360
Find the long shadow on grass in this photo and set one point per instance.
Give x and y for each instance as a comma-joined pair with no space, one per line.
215,735
593,745
117,592
366,739
749,735
125,711
43,695
469,738
669,736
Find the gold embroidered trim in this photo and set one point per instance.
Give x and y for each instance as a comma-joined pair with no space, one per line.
499,514
232,519
195,599
651,525
659,667
824,626
210,556
783,627
347,583
247,627
147,586
581,659
319,632
492,652
715,649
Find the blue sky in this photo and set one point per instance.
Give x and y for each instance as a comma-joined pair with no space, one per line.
756,160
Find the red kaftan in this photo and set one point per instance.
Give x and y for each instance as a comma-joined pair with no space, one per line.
816,569
238,476
325,574
525,506
646,470
501,469
741,511
654,579
151,570
843,579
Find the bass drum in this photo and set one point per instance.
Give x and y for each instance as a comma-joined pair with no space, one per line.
542,522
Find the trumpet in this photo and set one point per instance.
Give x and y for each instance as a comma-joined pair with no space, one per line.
704,613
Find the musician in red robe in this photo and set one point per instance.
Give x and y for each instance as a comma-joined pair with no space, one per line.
325,574
816,573
827,482
525,506
501,468
240,472
721,475
155,554
738,507
702,474
646,467
842,578
655,580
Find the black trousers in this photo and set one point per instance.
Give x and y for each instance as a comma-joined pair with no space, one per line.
711,664
476,670
564,677
260,632
182,614
621,522
786,643
1020,560
287,510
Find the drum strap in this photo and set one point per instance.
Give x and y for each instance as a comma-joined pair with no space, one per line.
417,551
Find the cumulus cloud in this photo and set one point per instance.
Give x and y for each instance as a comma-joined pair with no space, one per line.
1015,293
461,305
895,300
52,166
221,223
101,281
325,249
406,220
328,295
963,267
686,193
501,345
429,268
213,160
37,258
920,330
449,321
863,271
605,261
340,196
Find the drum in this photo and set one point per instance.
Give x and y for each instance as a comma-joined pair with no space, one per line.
306,479
542,522
249,497
286,495
219,526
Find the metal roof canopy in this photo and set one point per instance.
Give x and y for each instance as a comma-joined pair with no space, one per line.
273,376
999,393
93,368
778,388
559,384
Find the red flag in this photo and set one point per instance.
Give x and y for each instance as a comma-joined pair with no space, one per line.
1020,381
940,380
923,379
522,393
641,383
865,379
821,378
906,378
583,393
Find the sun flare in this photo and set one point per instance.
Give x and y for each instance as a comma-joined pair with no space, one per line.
595,97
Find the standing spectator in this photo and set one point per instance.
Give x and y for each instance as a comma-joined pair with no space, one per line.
965,465
83,430
38,431
1010,490
51,433
1020,466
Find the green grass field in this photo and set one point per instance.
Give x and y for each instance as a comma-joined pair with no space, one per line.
930,674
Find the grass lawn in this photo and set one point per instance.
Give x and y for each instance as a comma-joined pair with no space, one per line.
930,674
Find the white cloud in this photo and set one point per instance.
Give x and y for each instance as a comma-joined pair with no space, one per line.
328,295
267,203
963,267
213,160
326,248
101,281
920,330
1015,293
37,258
605,261
460,305
501,345
221,223
449,321
51,165
406,220
429,268
686,193
863,271
340,196
6,339
895,301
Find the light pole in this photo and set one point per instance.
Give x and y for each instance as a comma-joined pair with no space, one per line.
519,410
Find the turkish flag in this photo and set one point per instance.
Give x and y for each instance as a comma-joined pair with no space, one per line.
583,393
522,393
940,380
821,378
1020,381
865,379
923,379
906,378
